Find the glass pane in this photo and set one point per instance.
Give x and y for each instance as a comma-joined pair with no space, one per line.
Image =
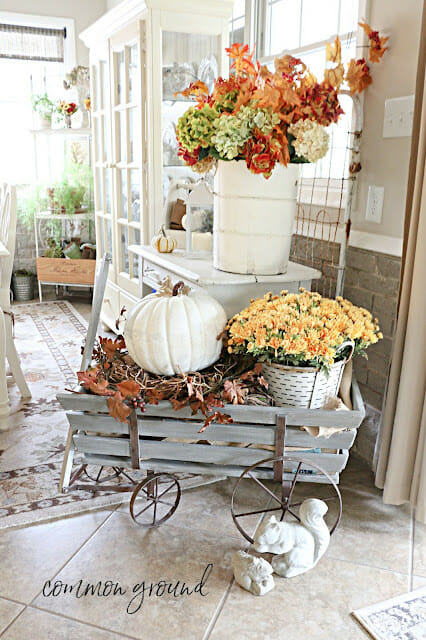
319,20
100,238
178,73
97,132
108,195
94,75
105,139
135,191
109,235
283,25
120,77
348,15
124,243
133,71
103,86
122,213
123,140
136,239
99,190
134,135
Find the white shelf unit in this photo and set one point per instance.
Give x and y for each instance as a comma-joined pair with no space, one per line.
141,53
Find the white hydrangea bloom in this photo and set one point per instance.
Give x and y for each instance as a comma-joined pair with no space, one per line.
311,140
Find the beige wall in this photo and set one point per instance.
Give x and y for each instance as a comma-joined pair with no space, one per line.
385,160
84,13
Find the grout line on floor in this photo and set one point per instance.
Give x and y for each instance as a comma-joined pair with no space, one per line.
111,513
224,598
13,621
411,553
82,622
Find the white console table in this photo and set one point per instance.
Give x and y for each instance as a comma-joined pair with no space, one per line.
232,290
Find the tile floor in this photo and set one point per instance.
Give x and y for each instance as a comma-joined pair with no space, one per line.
375,554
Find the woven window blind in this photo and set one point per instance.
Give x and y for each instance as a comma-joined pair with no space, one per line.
19,42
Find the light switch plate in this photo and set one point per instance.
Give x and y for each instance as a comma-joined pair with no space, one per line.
375,204
398,119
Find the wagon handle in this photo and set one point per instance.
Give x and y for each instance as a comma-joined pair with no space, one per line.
347,343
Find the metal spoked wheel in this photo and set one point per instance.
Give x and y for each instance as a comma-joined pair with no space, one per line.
285,502
155,500
103,474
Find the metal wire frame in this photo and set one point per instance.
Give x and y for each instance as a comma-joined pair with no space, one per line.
321,239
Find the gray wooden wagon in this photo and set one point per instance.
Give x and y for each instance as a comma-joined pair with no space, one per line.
164,442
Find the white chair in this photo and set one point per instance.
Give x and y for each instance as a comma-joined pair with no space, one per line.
8,213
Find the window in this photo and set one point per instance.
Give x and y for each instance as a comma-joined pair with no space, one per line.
20,78
237,22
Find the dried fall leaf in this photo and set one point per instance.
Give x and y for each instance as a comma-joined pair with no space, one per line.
128,388
377,43
334,77
234,392
196,89
101,388
117,408
333,52
242,59
86,378
221,418
358,75
109,347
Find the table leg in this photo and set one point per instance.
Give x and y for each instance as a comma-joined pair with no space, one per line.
4,404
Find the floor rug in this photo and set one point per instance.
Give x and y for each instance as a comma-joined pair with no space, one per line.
401,618
49,337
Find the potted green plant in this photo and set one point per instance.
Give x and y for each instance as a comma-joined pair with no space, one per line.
23,285
44,108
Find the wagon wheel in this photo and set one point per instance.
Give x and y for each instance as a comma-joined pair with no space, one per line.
103,474
153,501
286,502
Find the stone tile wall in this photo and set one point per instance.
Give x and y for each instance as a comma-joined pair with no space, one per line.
371,281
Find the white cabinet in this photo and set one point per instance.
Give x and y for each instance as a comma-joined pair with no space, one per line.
141,54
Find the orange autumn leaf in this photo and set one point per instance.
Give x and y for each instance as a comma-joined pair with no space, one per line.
335,77
358,75
117,409
333,52
111,346
242,59
86,378
100,387
377,43
289,65
197,89
128,388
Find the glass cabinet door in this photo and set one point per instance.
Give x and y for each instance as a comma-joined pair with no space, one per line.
99,73
128,153
186,57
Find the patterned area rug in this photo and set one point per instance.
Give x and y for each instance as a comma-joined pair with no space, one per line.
401,618
49,337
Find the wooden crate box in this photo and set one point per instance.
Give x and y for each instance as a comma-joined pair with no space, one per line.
66,271
103,441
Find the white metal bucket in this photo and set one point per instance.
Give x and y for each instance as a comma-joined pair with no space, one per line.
253,218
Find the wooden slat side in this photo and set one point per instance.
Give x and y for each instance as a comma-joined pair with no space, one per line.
238,433
102,445
228,470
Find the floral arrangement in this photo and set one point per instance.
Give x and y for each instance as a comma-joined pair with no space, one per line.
43,105
67,108
266,117
235,380
302,329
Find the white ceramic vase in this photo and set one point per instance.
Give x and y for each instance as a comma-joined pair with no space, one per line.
253,218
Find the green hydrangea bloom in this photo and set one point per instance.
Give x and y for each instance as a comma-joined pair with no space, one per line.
195,127
233,131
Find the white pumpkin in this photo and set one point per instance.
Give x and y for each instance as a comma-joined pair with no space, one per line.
163,242
175,330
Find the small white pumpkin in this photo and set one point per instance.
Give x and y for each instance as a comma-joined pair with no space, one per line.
175,330
162,242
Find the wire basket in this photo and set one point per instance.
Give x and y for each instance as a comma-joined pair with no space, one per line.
304,387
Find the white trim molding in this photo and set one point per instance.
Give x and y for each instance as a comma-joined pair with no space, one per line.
375,242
